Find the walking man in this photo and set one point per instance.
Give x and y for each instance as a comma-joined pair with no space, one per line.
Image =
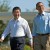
40,30
17,27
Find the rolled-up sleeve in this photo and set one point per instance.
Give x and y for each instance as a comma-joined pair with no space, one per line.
28,32
6,32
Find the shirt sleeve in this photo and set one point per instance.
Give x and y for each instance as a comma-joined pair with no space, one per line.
6,32
28,32
34,29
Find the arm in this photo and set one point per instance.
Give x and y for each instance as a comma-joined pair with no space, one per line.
5,33
28,32
34,29
49,28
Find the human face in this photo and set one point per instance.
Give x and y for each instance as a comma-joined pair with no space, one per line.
40,7
16,13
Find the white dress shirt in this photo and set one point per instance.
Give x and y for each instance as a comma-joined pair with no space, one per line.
17,28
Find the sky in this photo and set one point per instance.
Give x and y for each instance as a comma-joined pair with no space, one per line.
26,5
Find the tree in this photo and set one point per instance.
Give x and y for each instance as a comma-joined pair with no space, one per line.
48,3
4,6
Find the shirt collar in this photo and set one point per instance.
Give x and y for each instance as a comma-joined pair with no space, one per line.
43,13
18,19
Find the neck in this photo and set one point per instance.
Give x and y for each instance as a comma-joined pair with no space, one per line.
15,18
40,12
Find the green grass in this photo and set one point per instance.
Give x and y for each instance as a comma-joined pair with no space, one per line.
26,47
8,47
4,48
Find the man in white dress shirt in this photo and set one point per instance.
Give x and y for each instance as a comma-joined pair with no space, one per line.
17,27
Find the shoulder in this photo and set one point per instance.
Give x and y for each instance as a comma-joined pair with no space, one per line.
24,20
47,13
10,20
36,17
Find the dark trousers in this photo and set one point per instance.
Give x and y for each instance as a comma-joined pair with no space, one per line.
17,43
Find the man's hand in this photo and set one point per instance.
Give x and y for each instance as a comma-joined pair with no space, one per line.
1,40
31,47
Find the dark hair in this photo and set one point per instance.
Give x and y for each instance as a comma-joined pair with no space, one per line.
38,3
16,8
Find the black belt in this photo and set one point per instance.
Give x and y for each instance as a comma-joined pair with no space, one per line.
17,37
43,34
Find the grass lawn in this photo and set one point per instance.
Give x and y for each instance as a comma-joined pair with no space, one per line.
8,47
